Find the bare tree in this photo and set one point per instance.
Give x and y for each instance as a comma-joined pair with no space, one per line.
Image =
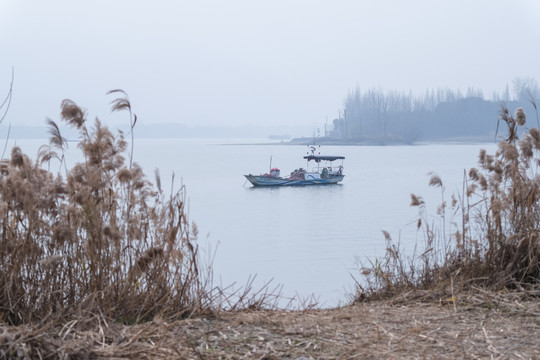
525,87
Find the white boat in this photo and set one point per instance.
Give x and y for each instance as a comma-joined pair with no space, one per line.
322,171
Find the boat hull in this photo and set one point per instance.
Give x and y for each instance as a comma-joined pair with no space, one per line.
259,180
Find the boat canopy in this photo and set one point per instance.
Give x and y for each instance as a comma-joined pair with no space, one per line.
319,158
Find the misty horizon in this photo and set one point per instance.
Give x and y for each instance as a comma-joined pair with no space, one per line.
214,64
372,116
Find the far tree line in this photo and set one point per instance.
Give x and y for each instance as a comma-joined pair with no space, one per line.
379,116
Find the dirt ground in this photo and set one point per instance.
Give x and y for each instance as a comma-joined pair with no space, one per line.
476,326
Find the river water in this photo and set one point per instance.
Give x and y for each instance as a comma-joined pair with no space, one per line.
307,239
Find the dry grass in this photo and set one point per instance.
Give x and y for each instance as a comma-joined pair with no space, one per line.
103,238
480,325
100,241
487,236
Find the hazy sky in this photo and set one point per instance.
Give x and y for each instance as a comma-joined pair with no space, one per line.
210,62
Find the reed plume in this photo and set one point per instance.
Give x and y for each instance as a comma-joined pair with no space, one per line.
72,114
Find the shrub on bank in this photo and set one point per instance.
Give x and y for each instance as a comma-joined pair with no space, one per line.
493,236
103,239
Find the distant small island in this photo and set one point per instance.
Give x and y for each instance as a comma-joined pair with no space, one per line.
376,117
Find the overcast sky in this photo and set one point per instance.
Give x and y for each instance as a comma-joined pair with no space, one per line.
235,62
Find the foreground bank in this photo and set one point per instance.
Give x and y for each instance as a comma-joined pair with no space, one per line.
475,325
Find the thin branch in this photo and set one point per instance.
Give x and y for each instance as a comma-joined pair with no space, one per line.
7,138
533,102
8,97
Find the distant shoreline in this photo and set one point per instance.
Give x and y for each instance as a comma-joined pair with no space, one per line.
373,142
36,133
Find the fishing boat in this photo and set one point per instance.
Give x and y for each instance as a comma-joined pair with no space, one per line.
322,171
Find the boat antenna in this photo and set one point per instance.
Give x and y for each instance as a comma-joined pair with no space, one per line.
270,164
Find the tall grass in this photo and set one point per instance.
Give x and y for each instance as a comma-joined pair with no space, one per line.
488,235
98,238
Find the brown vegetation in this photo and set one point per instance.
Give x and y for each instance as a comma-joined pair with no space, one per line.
481,325
488,236
103,240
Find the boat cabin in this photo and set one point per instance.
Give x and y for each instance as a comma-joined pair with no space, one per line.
323,167
274,172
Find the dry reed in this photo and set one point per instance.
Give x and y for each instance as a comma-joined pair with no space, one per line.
101,240
488,236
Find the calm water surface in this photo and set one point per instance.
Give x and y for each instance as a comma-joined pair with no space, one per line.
306,238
